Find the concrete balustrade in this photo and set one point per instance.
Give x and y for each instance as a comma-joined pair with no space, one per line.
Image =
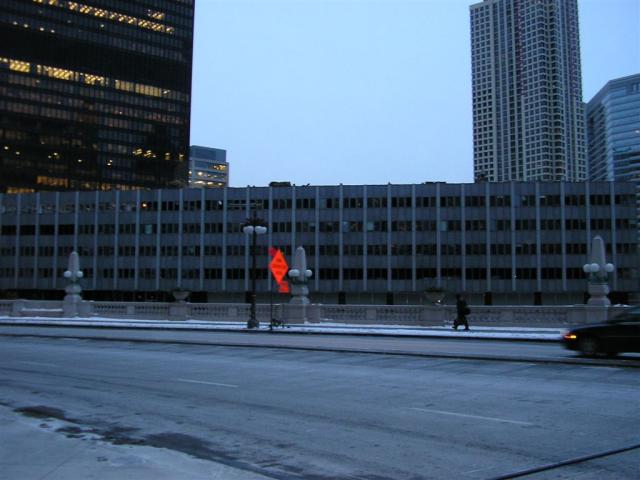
411,315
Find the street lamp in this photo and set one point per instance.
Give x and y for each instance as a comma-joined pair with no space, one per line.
254,226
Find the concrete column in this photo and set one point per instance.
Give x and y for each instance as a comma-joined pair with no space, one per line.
389,219
56,222
512,217
36,242
438,239
136,258
247,242
413,239
563,237
293,220
487,206
270,232
340,239
116,241
587,209
203,200
180,235
16,241
364,238
316,274
538,241
224,238
158,236
614,236
96,204
463,238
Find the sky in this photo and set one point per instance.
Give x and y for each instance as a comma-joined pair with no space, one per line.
324,92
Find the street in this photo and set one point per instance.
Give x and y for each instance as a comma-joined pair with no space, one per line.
295,414
457,347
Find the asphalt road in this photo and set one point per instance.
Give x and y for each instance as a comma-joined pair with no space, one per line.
423,346
296,414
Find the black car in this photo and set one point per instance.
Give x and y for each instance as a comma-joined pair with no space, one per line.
620,334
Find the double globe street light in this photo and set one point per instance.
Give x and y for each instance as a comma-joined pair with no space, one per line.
254,226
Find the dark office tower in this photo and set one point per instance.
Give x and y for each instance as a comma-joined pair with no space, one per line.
528,115
613,132
94,94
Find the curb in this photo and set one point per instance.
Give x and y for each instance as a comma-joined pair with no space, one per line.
284,331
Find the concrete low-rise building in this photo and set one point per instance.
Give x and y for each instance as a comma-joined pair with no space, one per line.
512,242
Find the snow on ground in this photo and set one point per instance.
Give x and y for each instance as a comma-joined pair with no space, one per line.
506,333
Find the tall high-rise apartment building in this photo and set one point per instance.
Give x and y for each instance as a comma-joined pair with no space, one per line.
527,97
95,94
613,132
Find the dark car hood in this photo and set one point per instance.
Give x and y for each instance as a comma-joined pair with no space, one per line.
592,326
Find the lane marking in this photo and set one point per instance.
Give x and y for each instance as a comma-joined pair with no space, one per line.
207,383
40,364
442,412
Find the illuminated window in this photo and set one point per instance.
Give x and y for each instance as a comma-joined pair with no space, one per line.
115,16
52,181
91,79
17,65
94,79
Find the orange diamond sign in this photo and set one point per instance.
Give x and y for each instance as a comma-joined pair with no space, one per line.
278,266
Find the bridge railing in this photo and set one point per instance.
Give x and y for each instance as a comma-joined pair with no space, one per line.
408,315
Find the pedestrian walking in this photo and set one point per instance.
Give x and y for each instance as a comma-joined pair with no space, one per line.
462,310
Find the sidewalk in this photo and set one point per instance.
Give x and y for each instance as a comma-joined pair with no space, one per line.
496,333
50,448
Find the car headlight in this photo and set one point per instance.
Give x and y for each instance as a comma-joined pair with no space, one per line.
570,336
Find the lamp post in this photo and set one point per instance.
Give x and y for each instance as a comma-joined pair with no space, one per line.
254,226
598,270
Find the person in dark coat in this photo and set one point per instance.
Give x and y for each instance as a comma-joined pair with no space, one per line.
462,310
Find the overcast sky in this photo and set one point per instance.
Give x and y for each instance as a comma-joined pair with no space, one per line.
359,91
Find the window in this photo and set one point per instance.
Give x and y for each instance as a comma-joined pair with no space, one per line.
401,202
449,201
329,227
377,274
328,274
379,202
401,226
379,226
351,202
476,249
352,274
377,250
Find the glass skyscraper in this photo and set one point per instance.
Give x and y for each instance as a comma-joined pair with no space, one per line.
613,132
94,95
527,97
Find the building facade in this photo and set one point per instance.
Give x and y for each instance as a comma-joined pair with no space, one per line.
512,242
94,96
208,167
613,132
528,115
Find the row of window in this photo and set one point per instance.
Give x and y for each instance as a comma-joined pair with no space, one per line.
324,227
91,113
495,249
324,274
310,203
24,67
85,92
